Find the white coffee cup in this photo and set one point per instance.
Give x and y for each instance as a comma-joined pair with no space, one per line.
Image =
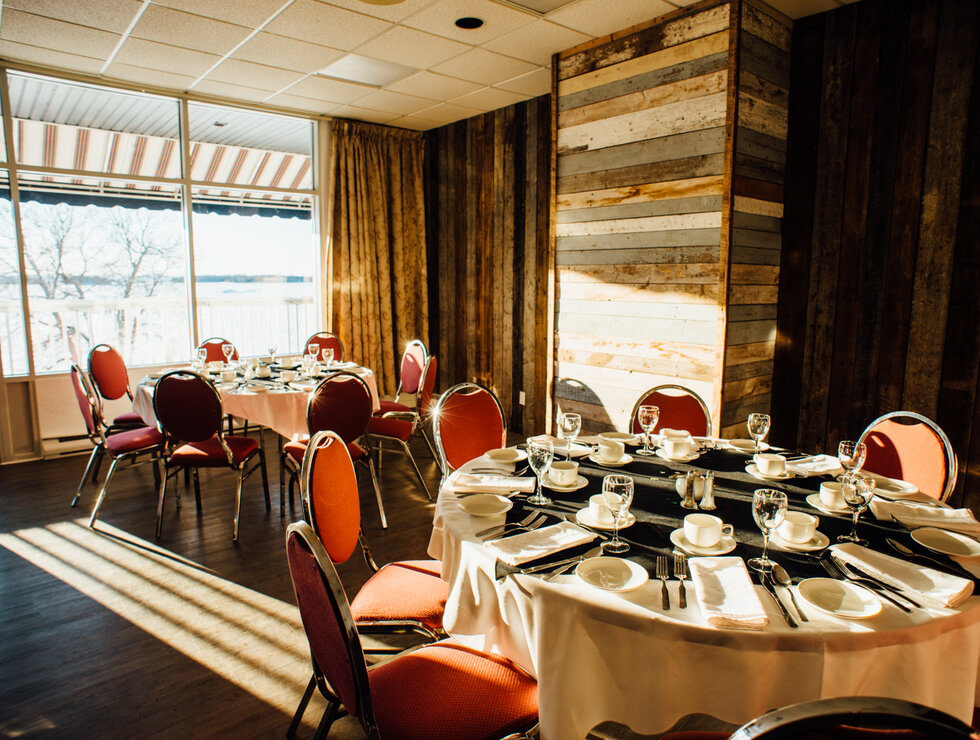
263,371
677,447
288,376
798,527
610,450
831,495
598,510
769,463
215,366
706,530
563,472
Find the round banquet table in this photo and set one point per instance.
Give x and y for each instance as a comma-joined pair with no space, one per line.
602,655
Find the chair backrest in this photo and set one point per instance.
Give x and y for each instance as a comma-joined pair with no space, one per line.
335,645
187,406
325,340
427,385
328,485
680,408
911,447
413,361
468,420
108,372
213,346
342,403
87,404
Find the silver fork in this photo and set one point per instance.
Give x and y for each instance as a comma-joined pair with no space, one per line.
663,574
525,521
680,573
527,526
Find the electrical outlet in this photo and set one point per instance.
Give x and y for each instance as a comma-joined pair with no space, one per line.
520,398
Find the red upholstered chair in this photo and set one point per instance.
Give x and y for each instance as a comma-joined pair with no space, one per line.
342,403
467,421
400,427
107,371
443,690
409,376
133,446
680,408
325,340
911,447
188,410
213,346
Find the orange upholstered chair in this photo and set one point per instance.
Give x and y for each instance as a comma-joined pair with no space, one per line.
325,340
443,690
911,447
213,347
680,408
467,421
107,371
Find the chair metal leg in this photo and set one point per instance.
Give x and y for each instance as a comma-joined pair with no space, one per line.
91,460
327,720
238,501
197,489
265,480
167,475
418,472
98,466
102,492
298,714
377,493
282,479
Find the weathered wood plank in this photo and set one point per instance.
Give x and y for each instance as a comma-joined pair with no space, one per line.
758,115
640,193
639,210
735,412
680,146
762,146
665,171
673,255
759,169
707,220
764,60
760,207
666,363
753,274
764,90
756,222
736,390
753,352
752,238
751,332
692,332
766,27
752,312
645,274
748,370
755,255
738,294
637,241
637,300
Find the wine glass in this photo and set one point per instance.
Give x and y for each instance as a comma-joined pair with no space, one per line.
202,358
617,494
327,355
227,349
648,416
540,453
758,425
768,510
858,490
851,456
569,425
273,348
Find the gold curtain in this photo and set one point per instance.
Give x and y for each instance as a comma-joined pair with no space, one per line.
380,295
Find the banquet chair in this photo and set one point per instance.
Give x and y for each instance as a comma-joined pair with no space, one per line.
325,340
342,403
680,408
400,427
409,375
213,345
911,447
443,690
188,411
107,371
467,421
132,446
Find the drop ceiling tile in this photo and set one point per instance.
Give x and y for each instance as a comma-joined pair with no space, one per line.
13,51
25,28
432,85
440,18
189,31
230,91
486,67
392,13
448,112
251,13
334,91
106,15
363,114
537,41
599,17
152,77
279,51
533,83
412,48
140,53
249,74
395,103
489,98
416,123
298,102
328,25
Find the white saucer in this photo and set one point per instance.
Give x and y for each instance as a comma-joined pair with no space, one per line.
687,458
892,487
814,500
585,517
612,574
485,504
746,446
946,542
626,459
727,544
753,470
515,455
580,482
840,598
257,388
818,542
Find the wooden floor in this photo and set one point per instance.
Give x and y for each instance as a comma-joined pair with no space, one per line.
112,634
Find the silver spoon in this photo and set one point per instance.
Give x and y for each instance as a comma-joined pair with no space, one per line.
781,577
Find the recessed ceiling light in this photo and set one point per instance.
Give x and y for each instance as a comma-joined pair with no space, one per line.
366,70
469,23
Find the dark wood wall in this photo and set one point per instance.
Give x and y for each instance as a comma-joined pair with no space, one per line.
488,189
879,299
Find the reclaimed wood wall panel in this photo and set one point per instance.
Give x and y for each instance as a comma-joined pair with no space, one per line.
488,190
878,307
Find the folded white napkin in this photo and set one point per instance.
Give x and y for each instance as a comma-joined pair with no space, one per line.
914,515
815,465
726,594
932,585
471,483
538,543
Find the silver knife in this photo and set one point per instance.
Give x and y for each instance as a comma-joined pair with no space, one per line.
864,574
767,584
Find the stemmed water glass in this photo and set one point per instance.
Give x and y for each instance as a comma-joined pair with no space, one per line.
273,348
648,416
540,453
202,357
851,456
227,349
617,494
327,355
858,490
768,510
569,425
758,425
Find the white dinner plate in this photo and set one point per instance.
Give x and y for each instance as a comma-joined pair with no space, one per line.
753,470
814,500
626,459
840,598
946,542
257,388
625,437
892,487
485,504
685,459
818,542
580,482
505,455
584,516
725,545
612,574
746,446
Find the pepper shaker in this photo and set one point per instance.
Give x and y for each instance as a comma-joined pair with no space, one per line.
689,502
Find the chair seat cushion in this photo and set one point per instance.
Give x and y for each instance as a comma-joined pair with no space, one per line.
399,428
133,439
297,449
387,406
451,692
209,454
407,589
130,418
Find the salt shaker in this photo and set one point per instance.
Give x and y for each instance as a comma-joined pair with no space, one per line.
708,499
689,502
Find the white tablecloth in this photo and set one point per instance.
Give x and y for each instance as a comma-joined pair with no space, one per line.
608,656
